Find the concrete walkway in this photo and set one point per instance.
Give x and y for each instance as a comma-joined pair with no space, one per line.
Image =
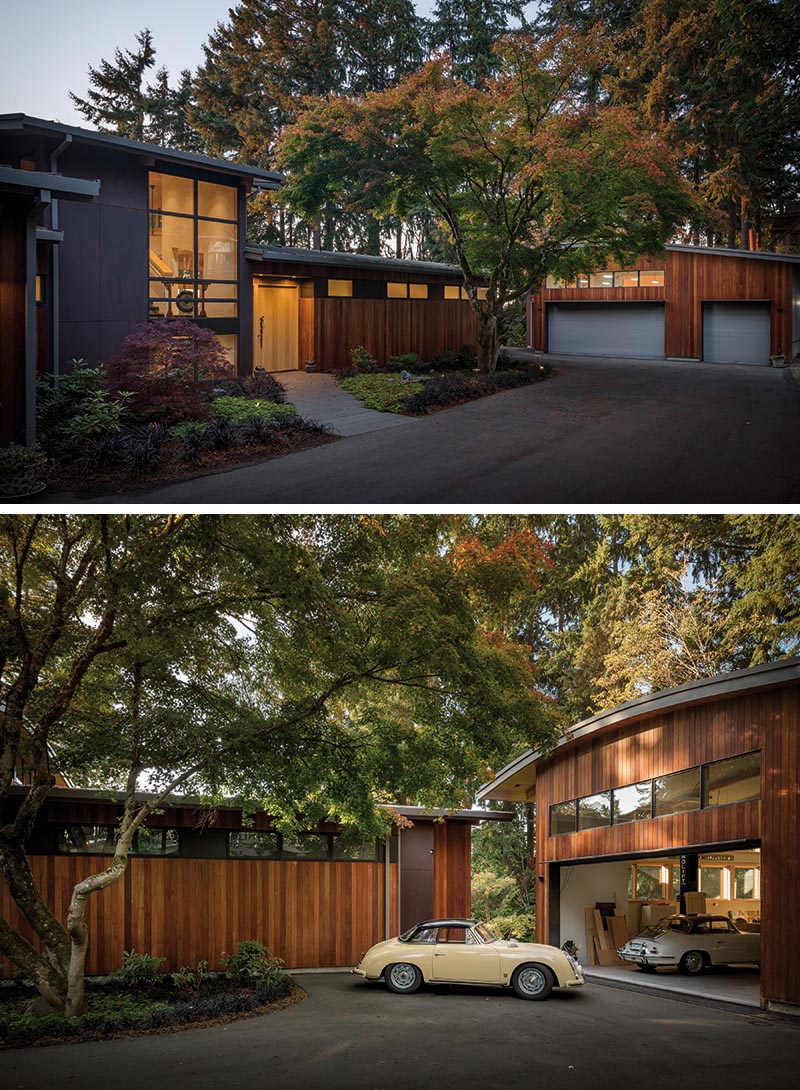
738,985
321,398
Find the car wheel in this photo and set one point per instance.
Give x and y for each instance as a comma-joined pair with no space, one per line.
692,962
402,978
532,982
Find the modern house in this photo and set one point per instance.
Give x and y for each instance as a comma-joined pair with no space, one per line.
101,233
692,303
199,882
695,788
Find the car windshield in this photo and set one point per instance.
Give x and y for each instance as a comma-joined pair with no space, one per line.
483,933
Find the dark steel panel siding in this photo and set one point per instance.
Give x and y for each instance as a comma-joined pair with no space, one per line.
123,177
245,354
80,271
123,265
80,340
13,235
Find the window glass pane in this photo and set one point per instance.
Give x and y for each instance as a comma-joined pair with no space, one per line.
184,296
230,344
482,293
172,248
452,934
582,281
253,845
555,282
677,793
216,250
305,846
628,279
217,201
218,309
452,291
397,291
594,811
97,839
632,803
744,882
347,849
676,882
601,280
562,817
171,194
426,936
735,780
150,841
343,288
648,883
651,278
711,881
418,291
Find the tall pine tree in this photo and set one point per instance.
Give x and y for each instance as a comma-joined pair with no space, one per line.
468,30
116,100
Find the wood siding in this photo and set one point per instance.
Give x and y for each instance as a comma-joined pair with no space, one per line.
452,853
689,736
690,279
308,913
389,327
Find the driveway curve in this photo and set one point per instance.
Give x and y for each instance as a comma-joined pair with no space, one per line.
601,431
350,1035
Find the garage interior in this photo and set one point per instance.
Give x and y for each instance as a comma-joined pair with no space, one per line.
601,905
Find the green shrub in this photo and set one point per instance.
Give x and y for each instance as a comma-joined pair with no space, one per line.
363,360
60,397
240,410
252,959
408,362
100,415
138,970
386,393
521,926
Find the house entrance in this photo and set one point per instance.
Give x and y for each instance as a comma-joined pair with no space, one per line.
276,329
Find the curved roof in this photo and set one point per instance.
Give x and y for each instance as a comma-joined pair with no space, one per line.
271,252
514,782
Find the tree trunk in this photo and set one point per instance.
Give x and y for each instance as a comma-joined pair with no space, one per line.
487,344
732,226
399,240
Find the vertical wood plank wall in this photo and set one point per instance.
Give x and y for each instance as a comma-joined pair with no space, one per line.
452,854
689,736
690,279
308,913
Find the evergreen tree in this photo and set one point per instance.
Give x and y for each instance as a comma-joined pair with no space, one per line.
116,100
468,30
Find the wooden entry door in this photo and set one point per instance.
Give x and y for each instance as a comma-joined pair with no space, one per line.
277,332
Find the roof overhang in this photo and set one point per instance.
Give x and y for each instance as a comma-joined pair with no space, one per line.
255,176
515,782
39,184
718,251
265,254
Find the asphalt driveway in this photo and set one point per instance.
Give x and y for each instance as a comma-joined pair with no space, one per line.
601,431
351,1035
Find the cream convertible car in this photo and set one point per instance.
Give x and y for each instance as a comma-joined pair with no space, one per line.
466,952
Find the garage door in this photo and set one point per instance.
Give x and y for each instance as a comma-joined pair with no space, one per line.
736,332
607,329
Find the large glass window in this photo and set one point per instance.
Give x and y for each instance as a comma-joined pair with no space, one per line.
193,251
633,803
711,881
253,845
367,850
156,842
677,793
626,279
745,883
735,780
594,811
306,846
601,280
86,839
651,278
648,883
562,817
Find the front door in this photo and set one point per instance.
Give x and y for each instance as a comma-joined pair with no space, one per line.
276,333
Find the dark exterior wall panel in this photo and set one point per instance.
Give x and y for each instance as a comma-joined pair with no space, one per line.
80,265
123,264
13,235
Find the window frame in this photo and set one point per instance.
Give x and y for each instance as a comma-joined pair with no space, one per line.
704,787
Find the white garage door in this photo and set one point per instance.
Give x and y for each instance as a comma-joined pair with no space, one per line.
607,329
736,332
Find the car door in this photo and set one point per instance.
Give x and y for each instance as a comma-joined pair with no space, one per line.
724,945
458,955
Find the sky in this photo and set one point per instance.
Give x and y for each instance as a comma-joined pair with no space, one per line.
50,44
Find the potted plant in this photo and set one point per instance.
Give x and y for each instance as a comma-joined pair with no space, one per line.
21,471
777,359
310,366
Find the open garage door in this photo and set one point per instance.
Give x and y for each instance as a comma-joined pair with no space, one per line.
736,332
633,330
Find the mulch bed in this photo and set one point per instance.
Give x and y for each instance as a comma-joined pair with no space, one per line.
296,995
173,469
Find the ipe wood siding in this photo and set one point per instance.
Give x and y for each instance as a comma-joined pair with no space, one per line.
692,735
308,913
691,278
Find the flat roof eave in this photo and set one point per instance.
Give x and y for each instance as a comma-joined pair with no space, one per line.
764,676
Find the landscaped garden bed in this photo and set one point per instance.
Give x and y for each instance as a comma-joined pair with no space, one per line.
167,408
413,387
139,999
